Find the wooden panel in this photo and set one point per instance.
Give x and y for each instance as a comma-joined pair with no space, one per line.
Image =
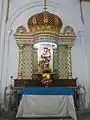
59,82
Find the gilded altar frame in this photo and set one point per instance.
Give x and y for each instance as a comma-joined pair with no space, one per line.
26,40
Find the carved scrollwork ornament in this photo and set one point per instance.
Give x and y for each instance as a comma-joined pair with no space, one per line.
21,29
68,30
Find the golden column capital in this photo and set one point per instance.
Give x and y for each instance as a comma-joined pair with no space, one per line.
69,46
20,46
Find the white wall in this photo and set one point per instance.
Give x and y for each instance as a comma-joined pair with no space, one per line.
86,11
69,11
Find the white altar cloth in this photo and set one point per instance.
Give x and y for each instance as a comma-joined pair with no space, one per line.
46,105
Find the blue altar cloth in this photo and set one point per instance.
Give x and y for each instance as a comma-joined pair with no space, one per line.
47,91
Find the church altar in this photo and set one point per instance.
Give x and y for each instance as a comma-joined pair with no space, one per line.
45,66
47,102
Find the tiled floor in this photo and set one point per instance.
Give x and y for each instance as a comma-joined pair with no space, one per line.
81,114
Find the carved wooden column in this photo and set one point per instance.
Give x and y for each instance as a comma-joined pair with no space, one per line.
20,61
69,62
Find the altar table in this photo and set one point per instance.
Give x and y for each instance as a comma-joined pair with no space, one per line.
46,103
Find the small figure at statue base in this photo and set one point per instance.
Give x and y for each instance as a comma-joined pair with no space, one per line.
44,66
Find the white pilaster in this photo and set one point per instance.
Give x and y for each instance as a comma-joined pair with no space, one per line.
3,48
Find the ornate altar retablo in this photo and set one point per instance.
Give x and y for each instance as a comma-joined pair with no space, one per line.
44,50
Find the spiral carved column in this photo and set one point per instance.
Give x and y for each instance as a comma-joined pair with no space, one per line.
31,62
60,65
69,62
20,61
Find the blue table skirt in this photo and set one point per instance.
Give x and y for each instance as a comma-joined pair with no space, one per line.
47,91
